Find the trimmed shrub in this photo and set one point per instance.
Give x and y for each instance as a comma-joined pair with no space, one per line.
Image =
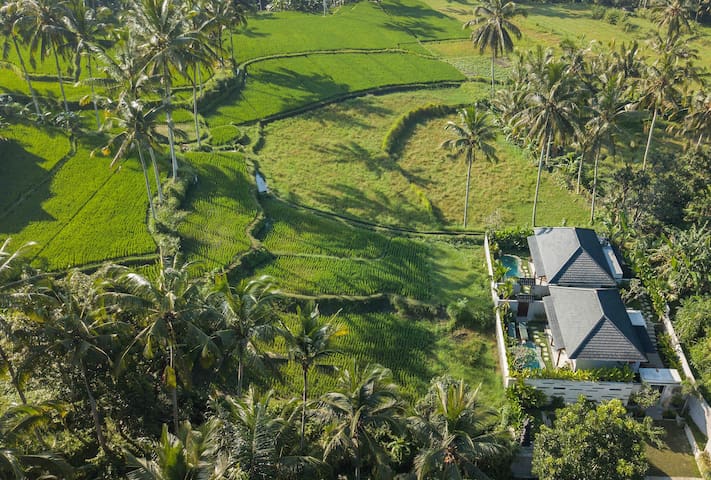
403,125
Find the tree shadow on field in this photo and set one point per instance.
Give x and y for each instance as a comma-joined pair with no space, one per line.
24,187
417,19
284,89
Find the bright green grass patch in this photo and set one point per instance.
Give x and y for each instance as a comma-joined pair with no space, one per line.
86,213
357,25
463,56
314,256
27,157
415,351
424,188
285,84
422,21
224,135
221,205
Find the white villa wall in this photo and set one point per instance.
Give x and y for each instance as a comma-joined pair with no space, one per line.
500,339
570,390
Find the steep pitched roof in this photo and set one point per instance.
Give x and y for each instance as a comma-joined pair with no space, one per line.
570,256
593,324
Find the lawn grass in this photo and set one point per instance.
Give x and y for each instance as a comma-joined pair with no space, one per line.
85,213
423,188
674,458
286,84
220,206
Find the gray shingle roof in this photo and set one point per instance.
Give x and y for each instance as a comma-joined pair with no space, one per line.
593,324
570,256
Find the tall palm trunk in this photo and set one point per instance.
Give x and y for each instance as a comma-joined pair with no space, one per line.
93,94
169,117
304,392
232,50
547,147
195,106
27,76
156,174
649,140
173,387
95,414
493,57
580,170
240,372
13,375
145,177
470,160
59,77
594,190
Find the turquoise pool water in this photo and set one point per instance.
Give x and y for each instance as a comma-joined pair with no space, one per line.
534,363
511,262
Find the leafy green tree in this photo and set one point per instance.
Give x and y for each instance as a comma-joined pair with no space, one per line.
133,128
18,425
83,24
309,342
11,25
675,15
366,401
188,454
552,110
698,117
168,310
589,442
47,33
247,320
608,105
456,431
473,134
170,45
495,29
659,88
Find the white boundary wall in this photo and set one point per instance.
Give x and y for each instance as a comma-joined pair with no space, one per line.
570,390
500,342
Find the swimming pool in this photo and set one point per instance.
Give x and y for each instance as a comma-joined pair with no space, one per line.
535,361
513,263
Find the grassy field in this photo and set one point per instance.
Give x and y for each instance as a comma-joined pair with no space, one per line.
424,187
416,351
674,458
83,213
220,206
286,84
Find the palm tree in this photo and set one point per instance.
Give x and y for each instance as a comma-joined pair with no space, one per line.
308,342
366,401
607,107
83,24
169,309
17,424
11,19
659,89
74,330
456,431
10,263
552,112
675,15
127,83
473,133
698,117
496,29
247,319
135,125
170,46
48,33
188,454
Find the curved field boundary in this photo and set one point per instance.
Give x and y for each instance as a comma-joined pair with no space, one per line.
479,234
382,90
341,51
